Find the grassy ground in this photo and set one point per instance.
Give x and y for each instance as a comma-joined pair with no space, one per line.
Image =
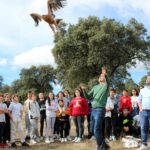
84,145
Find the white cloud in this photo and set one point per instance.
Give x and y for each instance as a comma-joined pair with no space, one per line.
36,56
38,5
125,8
138,67
3,62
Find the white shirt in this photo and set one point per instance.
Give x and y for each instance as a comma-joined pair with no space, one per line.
16,109
134,101
110,105
2,116
144,97
51,108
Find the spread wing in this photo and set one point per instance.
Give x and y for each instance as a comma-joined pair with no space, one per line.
36,18
54,5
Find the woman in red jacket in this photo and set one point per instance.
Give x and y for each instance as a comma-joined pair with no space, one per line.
79,109
125,101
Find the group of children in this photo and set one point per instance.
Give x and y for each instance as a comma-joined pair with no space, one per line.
122,115
55,113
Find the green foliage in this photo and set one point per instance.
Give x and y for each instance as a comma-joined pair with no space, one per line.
37,79
1,81
143,79
82,49
5,89
130,85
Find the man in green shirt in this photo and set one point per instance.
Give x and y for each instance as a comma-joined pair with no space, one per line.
99,94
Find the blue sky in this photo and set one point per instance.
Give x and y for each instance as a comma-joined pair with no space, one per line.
23,45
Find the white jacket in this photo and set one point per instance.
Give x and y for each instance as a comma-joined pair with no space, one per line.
34,110
51,108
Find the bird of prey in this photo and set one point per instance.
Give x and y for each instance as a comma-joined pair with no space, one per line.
53,5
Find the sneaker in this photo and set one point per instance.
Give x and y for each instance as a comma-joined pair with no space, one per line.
92,138
47,141
38,139
13,145
25,144
107,140
33,142
65,139
41,138
143,147
75,139
52,140
62,140
69,138
78,140
113,138
110,138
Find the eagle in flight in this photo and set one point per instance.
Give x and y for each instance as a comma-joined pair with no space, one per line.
52,5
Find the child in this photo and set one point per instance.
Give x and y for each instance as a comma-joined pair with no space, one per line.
3,110
42,113
34,115
60,96
16,110
7,129
63,120
125,101
114,113
126,123
68,97
27,121
79,109
134,101
109,108
51,108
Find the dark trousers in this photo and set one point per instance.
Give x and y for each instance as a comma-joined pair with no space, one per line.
69,127
135,111
56,130
42,120
108,127
6,136
79,124
2,127
114,120
63,128
90,132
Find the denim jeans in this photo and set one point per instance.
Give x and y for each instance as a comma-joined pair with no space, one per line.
79,123
98,118
144,122
135,111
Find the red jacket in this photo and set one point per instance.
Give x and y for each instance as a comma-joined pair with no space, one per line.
125,101
79,107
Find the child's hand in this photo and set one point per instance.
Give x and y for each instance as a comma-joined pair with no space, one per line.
61,111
